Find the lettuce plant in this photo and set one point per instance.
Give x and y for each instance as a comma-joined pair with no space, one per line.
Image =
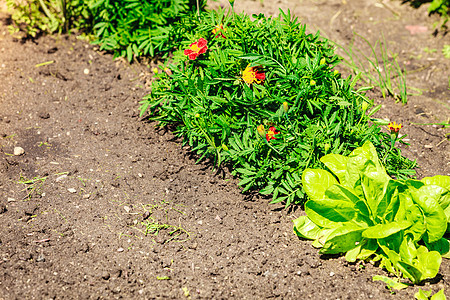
359,210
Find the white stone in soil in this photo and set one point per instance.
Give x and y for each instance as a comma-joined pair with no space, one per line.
18,151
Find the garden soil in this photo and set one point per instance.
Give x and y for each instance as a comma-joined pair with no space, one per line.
79,208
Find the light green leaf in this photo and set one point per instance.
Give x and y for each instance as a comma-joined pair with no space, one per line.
439,180
428,262
381,231
364,160
323,236
369,247
374,190
422,295
326,213
447,214
440,194
446,51
409,271
352,254
316,182
410,211
390,204
337,164
435,218
338,192
439,295
408,250
305,228
391,283
343,239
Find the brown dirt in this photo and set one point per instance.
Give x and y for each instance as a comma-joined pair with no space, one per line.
82,132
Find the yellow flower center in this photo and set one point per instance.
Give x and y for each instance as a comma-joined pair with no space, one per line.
249,75
195,48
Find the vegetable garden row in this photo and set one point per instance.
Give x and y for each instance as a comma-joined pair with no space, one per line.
260,96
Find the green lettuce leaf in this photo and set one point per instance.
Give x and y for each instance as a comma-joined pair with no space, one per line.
381,231
343,239
316,182
435,218
337,164
305,228
439,180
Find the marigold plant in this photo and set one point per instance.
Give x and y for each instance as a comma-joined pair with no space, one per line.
268,78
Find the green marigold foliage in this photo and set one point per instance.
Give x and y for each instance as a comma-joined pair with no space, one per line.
306,109
441,7
136,28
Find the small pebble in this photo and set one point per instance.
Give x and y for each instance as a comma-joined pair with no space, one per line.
127,208
331,274
44,115
41,258
86,71
18,151
61,178
2,208
72,190
86,196
120,250
105,275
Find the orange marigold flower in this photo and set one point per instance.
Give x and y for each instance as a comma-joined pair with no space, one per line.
393,127
221,29
197,48
271,132
252,74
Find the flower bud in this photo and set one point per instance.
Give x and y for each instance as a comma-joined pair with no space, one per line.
168,71
327,147
364,106
197,115
336,72
224,147
285,107
312,82
155,70
323,61
261,131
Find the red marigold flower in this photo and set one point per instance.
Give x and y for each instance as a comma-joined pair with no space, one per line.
252,74
219,28
271,132
393,127
197,48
